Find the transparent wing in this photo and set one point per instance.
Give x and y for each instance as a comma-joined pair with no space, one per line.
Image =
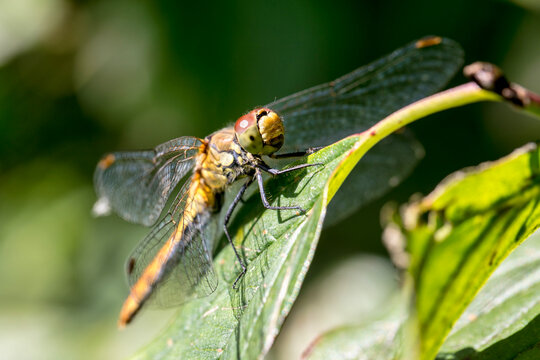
136,185
374,175
352,103
326,113
188,270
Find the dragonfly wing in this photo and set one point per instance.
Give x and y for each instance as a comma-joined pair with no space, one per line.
323,114
374,175
193,277
325,124
136,185
189,272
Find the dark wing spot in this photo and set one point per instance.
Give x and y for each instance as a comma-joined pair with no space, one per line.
130,266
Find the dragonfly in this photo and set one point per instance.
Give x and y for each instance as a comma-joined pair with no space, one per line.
173,263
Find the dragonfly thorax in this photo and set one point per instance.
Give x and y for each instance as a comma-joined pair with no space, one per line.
260,131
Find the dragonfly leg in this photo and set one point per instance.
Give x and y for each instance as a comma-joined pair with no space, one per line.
297,153
263,194
272,171
228,215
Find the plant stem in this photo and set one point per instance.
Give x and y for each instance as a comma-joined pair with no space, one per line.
458,96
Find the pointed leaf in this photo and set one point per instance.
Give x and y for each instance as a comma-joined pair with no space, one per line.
460,233
503,321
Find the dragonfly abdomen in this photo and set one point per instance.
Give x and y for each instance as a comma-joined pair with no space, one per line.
200,201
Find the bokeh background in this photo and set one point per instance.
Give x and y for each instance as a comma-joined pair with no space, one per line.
80,78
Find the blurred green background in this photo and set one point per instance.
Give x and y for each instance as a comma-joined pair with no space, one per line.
80,78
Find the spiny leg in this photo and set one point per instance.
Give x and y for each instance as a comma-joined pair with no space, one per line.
296,153
228,215
273,171
265,202
238,198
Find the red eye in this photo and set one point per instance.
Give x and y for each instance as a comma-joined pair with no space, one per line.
245,122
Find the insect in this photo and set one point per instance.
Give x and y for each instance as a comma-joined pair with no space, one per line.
176,254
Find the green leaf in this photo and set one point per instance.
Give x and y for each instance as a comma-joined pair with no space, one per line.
279,246
379,340
460,233
503,321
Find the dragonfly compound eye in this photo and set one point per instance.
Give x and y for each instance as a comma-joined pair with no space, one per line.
260,132
247,133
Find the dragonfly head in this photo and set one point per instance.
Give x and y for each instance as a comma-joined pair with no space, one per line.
260,131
